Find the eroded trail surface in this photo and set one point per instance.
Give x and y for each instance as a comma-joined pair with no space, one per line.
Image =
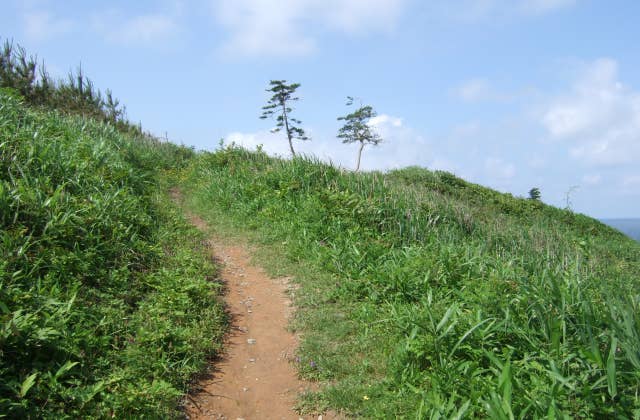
254,377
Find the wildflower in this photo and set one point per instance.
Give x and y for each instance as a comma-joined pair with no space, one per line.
366,398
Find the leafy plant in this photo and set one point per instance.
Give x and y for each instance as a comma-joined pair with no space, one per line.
105,306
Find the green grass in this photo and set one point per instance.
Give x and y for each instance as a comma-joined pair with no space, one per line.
106,303
425,296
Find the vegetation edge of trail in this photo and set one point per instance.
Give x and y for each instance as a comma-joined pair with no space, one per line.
424,295
106,303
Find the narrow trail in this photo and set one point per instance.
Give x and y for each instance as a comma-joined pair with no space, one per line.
254,377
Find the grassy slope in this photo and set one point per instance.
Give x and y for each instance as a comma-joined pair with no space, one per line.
105,304
424,296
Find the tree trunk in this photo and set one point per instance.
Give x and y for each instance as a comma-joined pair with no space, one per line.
359,156
286,126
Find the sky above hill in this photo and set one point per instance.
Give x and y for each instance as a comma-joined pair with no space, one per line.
512,94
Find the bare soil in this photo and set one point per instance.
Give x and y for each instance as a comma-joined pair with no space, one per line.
255,377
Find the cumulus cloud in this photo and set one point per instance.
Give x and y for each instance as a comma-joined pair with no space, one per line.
599,117
537,7
138,30
478,10
498,169
361,16
474,90
42,25
274,144
147,28
384,122
481,90
267,28
537,161
631,184
592,179
401,146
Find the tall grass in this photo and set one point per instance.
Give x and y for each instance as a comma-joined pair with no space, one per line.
74,95
430,297
105,305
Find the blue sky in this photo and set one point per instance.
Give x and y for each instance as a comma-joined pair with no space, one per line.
509,94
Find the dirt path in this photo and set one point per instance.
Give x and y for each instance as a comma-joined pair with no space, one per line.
254,378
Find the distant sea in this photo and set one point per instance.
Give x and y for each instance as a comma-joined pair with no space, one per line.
630,227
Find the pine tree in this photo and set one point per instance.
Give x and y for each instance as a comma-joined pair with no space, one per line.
278,106
357,128
534,194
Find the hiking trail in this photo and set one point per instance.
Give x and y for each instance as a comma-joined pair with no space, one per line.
253,377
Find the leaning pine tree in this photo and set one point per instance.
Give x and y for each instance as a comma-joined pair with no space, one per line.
278,106
534,194
357,128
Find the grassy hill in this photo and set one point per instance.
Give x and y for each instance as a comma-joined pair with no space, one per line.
105,305
422,295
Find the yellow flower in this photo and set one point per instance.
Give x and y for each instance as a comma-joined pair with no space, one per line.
365,398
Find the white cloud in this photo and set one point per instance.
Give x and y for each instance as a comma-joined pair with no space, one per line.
536,7
146,29
42,25
631,184
443,164
474,90
384,121
498,169
479,10
537,162
272,143
466,130
361,16
481,90
600,117
267,28
261,27
592,179
401,146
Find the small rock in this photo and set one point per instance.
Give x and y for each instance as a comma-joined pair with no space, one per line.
251,341
249,310
245,389
252,360
319,417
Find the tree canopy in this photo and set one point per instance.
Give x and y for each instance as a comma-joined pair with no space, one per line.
279,107
357,128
